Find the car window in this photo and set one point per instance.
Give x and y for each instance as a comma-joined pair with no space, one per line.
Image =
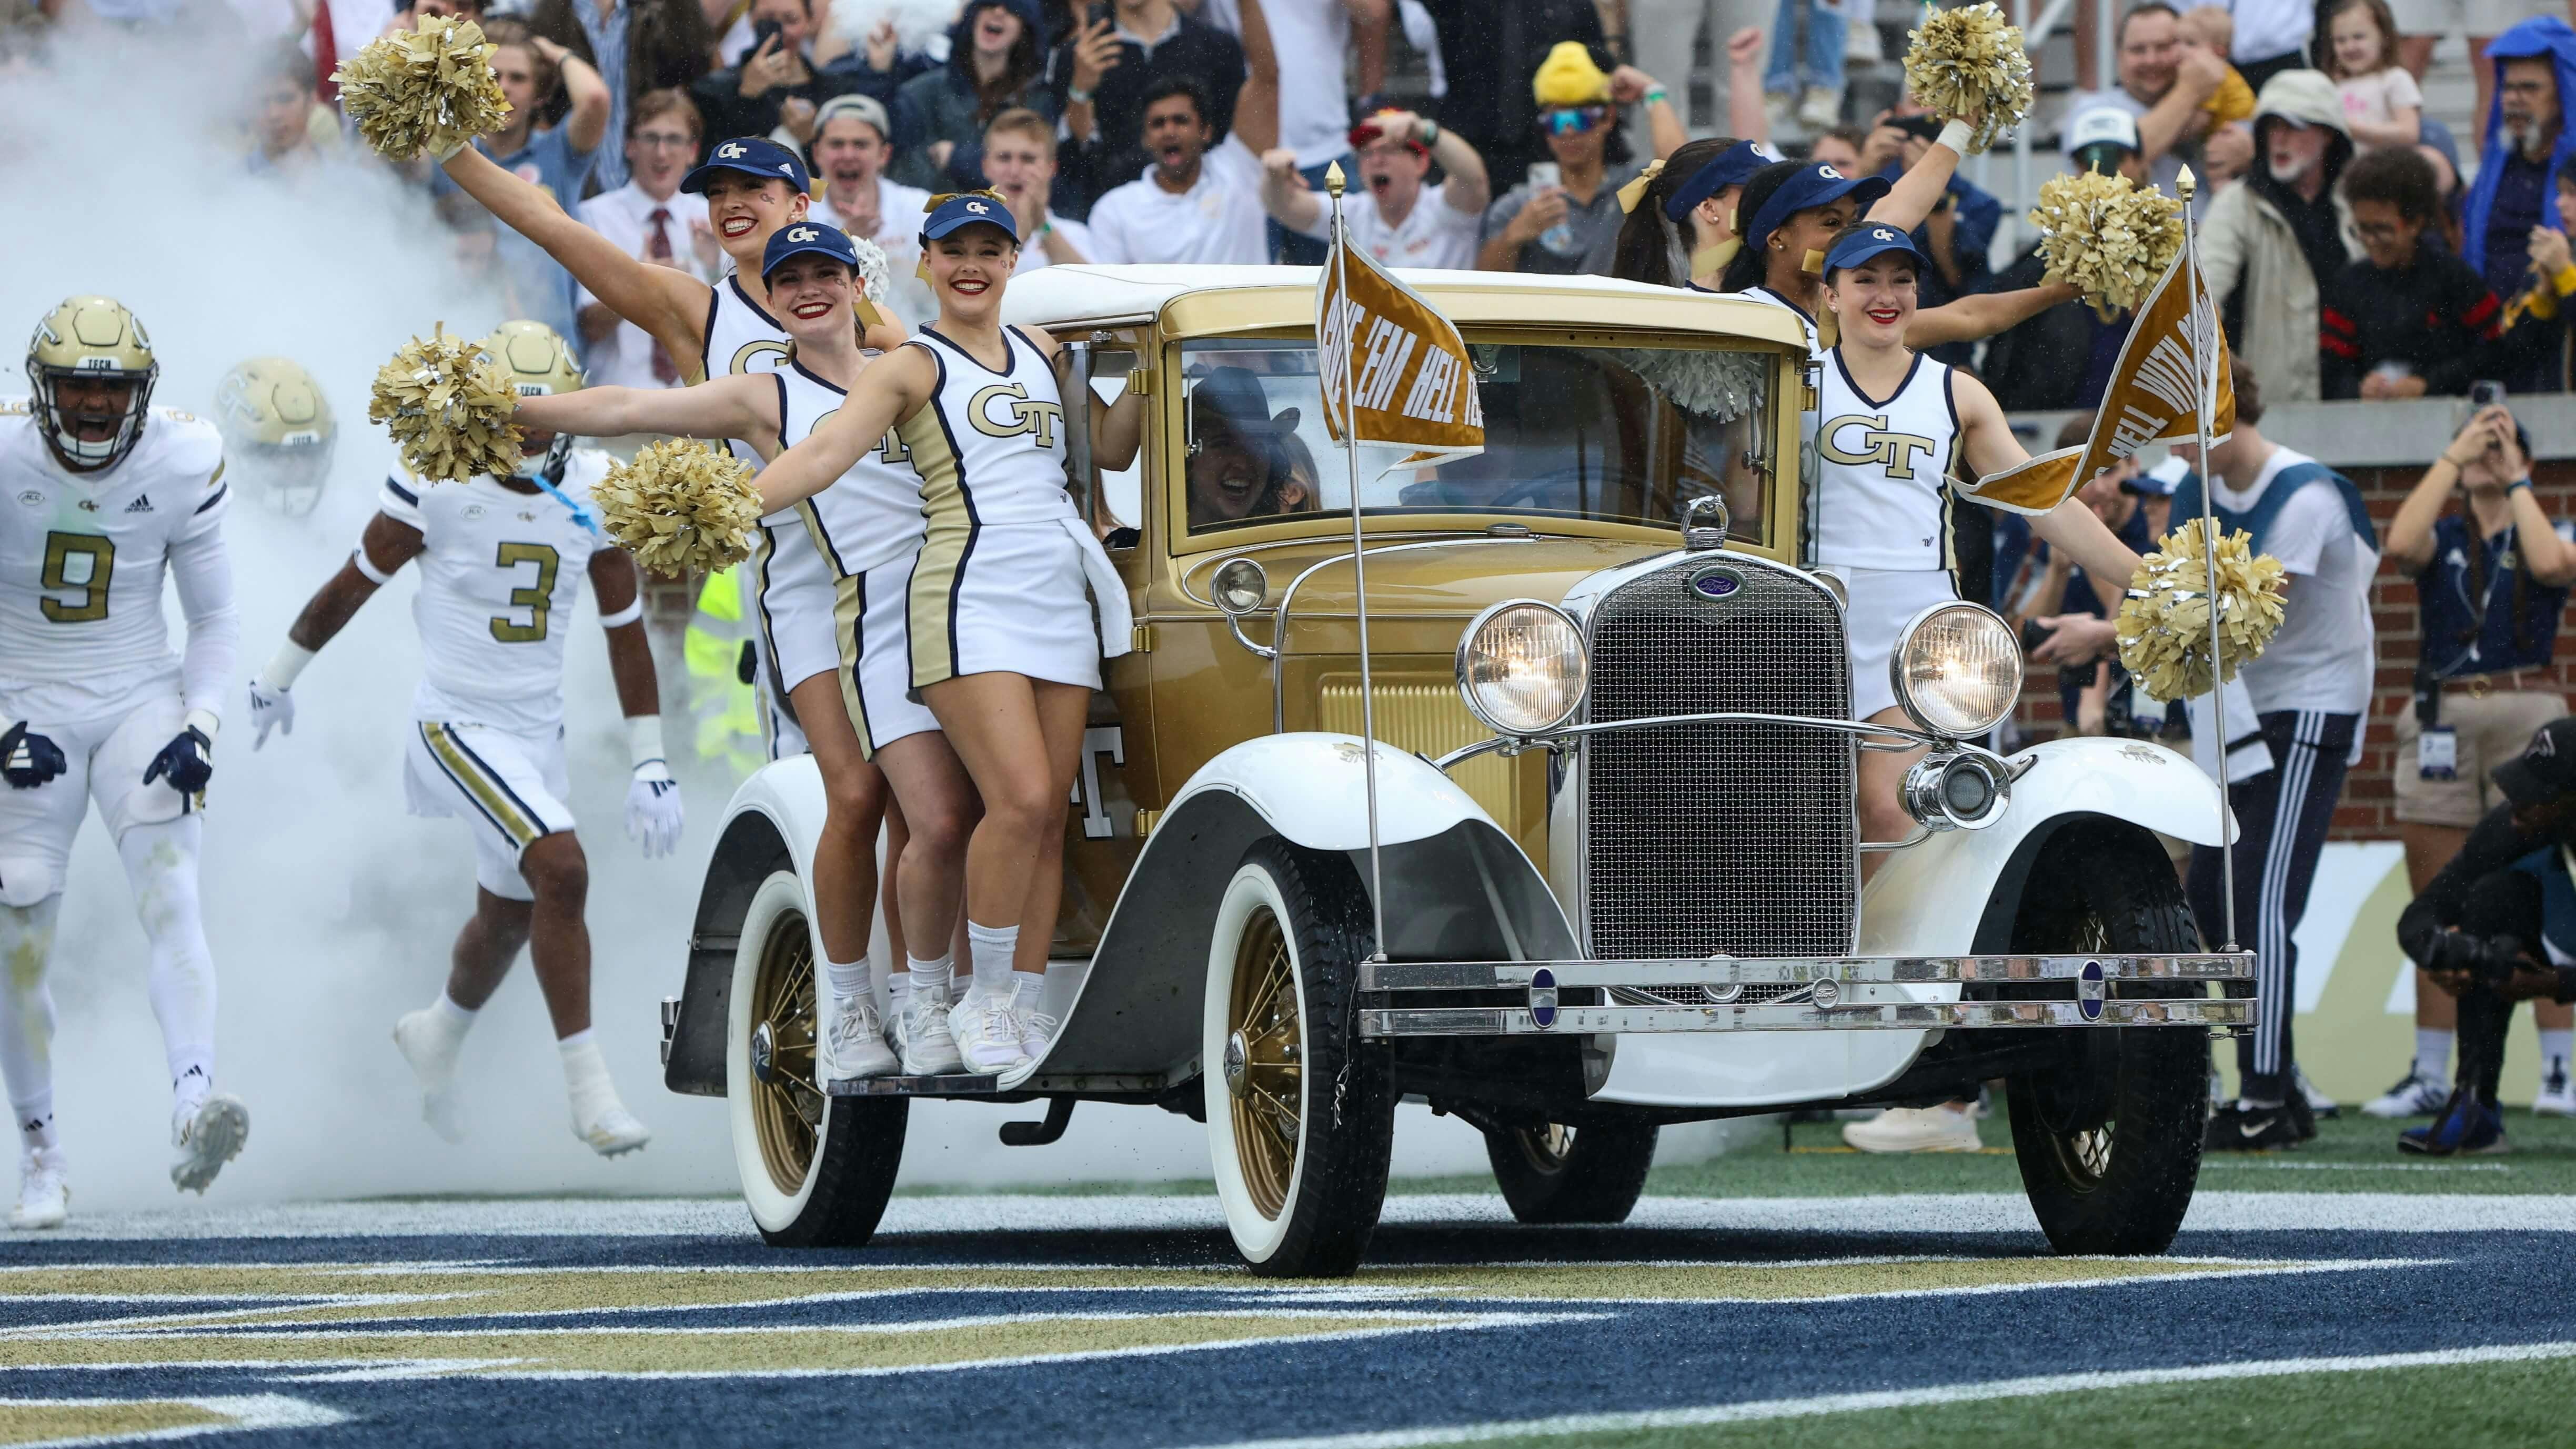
1628,435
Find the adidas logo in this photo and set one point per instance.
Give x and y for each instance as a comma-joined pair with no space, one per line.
142,504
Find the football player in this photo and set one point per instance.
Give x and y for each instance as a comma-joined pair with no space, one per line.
501,564
278,433
101,496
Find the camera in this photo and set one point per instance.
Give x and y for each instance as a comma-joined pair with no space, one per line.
2486,394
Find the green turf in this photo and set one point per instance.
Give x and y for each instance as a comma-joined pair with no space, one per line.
2465,1406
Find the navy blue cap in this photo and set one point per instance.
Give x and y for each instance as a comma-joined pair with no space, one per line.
801,237
1731,167
968,208
752,156
1811,187
1857,245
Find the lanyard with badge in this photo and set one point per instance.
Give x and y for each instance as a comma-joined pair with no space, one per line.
2437,749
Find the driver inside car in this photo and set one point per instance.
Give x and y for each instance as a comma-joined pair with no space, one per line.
1240,458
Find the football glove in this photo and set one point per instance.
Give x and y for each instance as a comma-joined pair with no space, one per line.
29,759
653,809
271,708
187,762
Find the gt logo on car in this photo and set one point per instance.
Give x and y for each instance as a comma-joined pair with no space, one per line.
1897,452
1023,416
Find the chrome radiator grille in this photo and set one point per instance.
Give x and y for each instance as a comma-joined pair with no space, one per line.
1725,838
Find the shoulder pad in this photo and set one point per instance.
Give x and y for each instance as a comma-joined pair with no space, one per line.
189,445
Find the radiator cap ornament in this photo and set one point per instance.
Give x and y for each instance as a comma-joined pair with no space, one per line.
1704,524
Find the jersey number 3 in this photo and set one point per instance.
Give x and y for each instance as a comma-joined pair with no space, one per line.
96,566
538,598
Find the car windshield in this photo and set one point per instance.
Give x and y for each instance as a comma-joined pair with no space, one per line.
1622,435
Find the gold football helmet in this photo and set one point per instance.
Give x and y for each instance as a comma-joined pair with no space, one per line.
91,339
540,364
278,432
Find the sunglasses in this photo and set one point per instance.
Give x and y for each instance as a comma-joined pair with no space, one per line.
1573,120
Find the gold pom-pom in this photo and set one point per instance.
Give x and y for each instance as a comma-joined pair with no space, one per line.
681,506
2107,237
426,89
2163,626
1969,64
451,408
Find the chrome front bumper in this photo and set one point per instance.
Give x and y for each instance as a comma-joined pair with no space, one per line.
1847,993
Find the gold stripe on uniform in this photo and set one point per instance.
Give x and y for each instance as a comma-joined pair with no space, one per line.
488,790
849,616
931,601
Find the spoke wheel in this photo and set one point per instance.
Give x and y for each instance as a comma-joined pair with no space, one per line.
1264,1051
1552,1173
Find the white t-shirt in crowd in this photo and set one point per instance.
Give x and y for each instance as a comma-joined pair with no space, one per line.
1313,38
625,357
898,235
1433,234
2267,29
2373,99
1033,253
2322,657
1219,220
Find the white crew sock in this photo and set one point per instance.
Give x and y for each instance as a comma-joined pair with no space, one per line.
993,947
586,1078
932,981
2554,1048
1027,989
2433,1053
1063,984
36,1122
849,979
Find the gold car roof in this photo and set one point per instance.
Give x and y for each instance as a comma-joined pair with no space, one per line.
1194,301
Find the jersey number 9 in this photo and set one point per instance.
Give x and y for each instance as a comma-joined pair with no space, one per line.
96,567
538,598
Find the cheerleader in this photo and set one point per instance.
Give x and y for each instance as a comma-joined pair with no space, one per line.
1680,230
1891,429
999,640
868,526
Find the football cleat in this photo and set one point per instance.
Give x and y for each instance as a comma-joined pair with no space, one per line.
44,1189
613,1131
923,1041
987,1032
2557,1094
2415,1095
208,1135
855,1045
1915,1129
2241,1126
433,1066
2466,1126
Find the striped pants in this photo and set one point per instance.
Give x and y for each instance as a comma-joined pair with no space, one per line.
2281,819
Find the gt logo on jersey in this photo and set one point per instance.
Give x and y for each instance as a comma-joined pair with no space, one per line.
1039,418
760,357
891,450
1896,452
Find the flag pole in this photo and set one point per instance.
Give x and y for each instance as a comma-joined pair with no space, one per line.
2204,379
1333,183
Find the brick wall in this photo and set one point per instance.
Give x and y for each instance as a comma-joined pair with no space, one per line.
2367,793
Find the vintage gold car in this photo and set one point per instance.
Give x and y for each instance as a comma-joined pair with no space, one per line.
1621,872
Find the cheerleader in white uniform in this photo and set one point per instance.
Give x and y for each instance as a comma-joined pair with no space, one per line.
1891,429
1002,642
865,530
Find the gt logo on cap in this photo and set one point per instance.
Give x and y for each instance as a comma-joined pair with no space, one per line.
978,208
1825,172
730,151
801,234
1880,233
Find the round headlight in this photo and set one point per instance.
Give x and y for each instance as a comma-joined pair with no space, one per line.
1521,667
1956,670
1239,586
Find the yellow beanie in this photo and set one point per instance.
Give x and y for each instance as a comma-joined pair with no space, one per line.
1569,78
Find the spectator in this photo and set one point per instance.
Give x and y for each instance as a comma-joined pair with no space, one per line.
1104,71
2270,243
2409,319
282,125
2225,157
1019,161
1571,224
2210,28
1194,204
2381,104
1393,216
651,219
2491,580
1490,47
1840,148
2161,86
994,65
2527,144
558,158
2063,357
2538,321
850,151
1665,28
2271,37
1313,39
636,46
2443,154
1680,230
1805,76
773,87
2421,25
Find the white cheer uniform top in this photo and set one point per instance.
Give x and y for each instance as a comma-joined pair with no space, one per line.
1881,489
1769,298
869,515
499,573
990,452
83,555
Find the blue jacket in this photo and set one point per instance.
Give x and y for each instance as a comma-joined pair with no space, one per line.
2547,36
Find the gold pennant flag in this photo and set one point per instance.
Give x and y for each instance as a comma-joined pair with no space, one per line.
2150,400
1411,384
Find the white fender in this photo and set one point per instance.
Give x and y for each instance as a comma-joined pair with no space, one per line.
1313,788
789,793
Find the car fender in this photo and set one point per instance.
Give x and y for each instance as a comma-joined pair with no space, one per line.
771,824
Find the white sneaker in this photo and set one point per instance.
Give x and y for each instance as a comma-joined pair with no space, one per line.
44,1189
987,1032
1037,1029
613,1131
923,1041
2414,1095
1862,46
2557,1095
1916,1129
208,1135
433,1067
855,1045
1776,105
1820,108
2319,1104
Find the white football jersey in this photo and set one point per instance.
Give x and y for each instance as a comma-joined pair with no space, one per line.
871,514
499,573
82,557
1883,468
